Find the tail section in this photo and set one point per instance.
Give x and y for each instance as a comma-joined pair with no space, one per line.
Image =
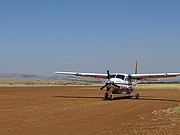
135,71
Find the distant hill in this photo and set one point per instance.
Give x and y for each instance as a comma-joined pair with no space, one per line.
36,76
66,77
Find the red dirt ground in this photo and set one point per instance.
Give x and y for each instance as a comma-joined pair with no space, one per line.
80,110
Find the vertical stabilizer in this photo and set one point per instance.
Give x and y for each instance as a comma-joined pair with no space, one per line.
135,71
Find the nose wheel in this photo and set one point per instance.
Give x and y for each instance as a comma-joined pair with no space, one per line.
111,97
107,95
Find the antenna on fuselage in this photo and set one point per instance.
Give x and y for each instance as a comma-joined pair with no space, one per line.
135,71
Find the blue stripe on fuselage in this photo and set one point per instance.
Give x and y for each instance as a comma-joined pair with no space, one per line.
123,83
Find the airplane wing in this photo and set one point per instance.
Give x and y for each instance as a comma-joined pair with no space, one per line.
95,75
160,75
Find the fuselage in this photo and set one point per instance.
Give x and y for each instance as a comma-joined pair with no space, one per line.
125,83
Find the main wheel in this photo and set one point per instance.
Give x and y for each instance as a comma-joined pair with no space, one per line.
137,95
106,95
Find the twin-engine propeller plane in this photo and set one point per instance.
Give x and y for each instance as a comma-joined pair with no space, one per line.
118,83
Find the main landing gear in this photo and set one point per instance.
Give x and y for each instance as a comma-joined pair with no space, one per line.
137,95
111,95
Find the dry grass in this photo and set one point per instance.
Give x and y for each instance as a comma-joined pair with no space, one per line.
6,82
158,86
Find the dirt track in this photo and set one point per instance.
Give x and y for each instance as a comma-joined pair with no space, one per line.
80,110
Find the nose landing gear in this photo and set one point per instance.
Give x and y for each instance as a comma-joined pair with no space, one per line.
111,97
106,95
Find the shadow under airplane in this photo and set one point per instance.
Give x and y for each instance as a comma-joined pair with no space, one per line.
121,98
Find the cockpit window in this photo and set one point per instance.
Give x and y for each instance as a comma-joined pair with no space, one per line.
117,76
120,77
112,76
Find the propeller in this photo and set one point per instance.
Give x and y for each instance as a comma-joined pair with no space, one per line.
103,87
115,85
108,82
108,77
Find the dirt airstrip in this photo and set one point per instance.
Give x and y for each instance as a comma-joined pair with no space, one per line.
82,110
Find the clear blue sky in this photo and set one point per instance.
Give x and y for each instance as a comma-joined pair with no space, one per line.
43,36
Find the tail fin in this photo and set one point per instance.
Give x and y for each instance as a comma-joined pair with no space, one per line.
135,71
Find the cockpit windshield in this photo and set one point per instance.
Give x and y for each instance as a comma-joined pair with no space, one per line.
120,77
113,76
117,76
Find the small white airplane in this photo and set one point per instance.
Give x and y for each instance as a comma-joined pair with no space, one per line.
119,83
